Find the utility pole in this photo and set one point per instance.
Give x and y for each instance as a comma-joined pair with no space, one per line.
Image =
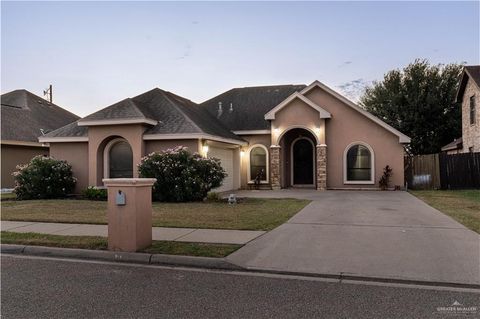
49,92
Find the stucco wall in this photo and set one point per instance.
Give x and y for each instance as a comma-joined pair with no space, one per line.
99,136
297,114
470,132
13,155
76,154
156,146
347,126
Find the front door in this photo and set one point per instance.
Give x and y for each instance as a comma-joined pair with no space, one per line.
302,158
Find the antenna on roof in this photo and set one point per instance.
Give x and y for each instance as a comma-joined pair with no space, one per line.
49,92
220,110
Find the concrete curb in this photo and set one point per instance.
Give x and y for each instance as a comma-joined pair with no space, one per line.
342,277
203,262
139,258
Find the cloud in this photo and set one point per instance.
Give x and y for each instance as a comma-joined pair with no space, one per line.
345,64
354,89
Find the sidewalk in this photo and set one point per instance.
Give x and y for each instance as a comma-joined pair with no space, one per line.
214,236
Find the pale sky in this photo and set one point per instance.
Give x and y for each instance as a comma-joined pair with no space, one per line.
98,53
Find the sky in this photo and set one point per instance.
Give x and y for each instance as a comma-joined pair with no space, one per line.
98,53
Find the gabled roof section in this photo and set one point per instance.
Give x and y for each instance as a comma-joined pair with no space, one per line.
402,137
25,116
167,113
469,72
243,109
123,112
323,113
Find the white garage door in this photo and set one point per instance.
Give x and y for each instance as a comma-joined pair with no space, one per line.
226,158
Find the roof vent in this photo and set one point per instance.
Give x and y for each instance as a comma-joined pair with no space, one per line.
231,107
220,110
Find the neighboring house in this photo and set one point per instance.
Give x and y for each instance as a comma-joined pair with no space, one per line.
285,136
469,96
24,116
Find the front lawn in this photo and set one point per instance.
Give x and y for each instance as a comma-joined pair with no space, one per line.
249,214
100,243
461,205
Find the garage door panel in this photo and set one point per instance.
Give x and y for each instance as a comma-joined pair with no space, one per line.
226,159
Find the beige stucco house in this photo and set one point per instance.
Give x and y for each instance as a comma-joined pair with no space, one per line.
25,116
282,136
468,96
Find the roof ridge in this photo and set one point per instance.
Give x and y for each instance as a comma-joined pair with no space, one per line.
267,86
179,110
136,107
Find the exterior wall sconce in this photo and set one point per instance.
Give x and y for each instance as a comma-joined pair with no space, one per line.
205,150
242,153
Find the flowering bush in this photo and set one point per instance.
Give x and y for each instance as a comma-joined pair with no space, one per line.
181,176
43,177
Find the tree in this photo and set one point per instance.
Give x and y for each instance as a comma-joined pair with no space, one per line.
420,102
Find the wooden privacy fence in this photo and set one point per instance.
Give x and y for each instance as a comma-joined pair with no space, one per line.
460,170
435,171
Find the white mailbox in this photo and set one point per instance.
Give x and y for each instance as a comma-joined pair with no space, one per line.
120,198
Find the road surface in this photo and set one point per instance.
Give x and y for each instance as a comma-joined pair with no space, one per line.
34,287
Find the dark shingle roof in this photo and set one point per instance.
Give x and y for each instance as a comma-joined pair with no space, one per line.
472,72
456,144
174,114
24,114
249,104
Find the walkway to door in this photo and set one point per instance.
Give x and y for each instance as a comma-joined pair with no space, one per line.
370,234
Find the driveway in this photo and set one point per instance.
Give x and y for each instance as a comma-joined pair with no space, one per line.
366,233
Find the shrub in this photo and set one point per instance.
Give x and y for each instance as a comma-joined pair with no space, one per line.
44,177
214,197
181,176
385,179
94,193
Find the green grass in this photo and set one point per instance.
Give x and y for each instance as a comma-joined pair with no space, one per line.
249,214
461,205
100,243
7,196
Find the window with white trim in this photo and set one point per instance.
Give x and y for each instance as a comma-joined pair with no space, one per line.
258,169
359,164
120,160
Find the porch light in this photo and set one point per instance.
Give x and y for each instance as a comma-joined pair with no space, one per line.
317,130
242,153
205,149
276,130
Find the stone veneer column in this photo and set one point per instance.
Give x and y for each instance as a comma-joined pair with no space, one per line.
322,167
275,166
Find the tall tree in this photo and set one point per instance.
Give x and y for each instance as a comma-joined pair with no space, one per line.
420,102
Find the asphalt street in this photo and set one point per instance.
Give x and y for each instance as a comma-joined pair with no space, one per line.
35,287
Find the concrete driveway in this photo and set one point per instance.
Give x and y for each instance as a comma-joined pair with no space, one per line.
366,233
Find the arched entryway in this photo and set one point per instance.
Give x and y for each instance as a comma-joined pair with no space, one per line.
302,156
297,155
118,159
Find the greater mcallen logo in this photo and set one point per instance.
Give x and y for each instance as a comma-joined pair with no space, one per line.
457,308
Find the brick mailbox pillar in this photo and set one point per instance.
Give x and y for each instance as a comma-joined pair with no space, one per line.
129,213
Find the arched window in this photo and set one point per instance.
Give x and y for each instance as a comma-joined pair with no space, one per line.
258,166
359,164
118,159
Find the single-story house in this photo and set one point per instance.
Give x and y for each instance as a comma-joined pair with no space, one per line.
468,95
282,136
25,116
